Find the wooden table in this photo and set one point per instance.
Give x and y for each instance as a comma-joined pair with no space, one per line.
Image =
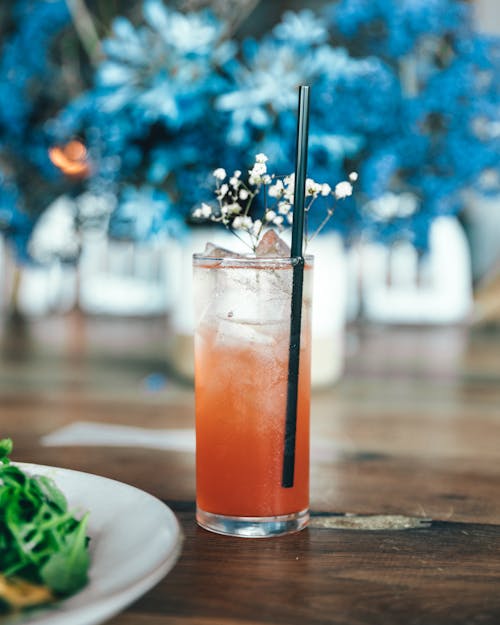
413,429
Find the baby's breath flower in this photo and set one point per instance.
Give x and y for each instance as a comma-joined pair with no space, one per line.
256,228
284,208
206,210
256,173
312,187
235,197
343,189
289,193
242,223
233,209
277,189
258,169
224,188
220,173
203,212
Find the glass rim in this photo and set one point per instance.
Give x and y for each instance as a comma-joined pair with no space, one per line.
251,260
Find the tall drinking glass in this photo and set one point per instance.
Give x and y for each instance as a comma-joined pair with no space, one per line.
242,341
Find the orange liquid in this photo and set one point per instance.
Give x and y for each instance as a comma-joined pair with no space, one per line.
240,394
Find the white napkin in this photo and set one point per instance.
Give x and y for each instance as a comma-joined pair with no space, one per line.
110,435
88,433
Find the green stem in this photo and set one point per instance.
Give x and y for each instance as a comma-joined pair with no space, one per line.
321,225
85,29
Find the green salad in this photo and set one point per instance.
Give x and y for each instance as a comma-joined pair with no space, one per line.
43,547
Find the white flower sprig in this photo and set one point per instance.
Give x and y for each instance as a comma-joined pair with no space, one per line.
235,197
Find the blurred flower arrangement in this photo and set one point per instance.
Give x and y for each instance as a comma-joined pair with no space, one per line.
403,92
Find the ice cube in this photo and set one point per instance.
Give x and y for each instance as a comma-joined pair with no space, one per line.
241,332
271,246
214,251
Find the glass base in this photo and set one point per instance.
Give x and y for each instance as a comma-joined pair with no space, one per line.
253,526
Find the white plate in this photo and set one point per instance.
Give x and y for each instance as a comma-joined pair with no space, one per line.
135,541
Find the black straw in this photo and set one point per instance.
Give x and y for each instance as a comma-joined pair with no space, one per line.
298,279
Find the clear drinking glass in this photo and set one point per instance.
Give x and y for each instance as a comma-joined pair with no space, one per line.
242,339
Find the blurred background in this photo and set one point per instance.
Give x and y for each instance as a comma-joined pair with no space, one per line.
113,116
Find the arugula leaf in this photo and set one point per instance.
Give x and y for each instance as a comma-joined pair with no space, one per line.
66,571
6,446
41,541
51,492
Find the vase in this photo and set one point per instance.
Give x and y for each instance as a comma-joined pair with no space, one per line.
123,278
32,289
401,286
329,309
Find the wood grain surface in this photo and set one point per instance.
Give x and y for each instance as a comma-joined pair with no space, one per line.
412,429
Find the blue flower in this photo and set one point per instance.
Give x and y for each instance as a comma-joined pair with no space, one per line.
142,214
399,24
302,29
15,223
265,85
26,69
351,98
24,66
164,69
